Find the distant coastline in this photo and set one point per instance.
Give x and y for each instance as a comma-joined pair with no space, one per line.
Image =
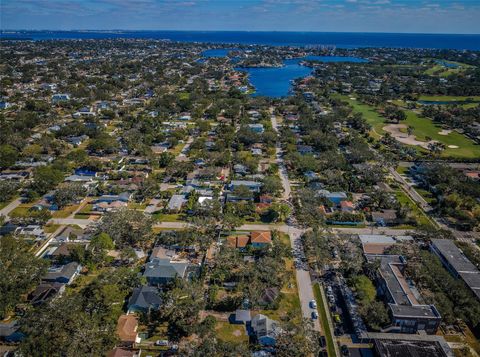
273,38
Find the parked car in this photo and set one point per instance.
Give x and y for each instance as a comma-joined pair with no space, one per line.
345,350
323,341
161,343
313,304
314,315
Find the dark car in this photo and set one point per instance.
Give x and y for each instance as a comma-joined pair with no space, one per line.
323,341
345,350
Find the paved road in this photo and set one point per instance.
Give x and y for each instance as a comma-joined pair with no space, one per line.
72,221
182,155
5,211
304,283
414,195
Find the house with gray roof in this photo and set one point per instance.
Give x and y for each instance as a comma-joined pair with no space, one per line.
144,299
176,203
162,271
266,330
64,274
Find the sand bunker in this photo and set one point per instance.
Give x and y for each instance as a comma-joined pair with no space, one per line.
404,138
444,132
452,146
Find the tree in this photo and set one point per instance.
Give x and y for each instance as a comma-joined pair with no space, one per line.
299,341
127,227
374,314
8,156
20,270
68,327
46,178
68,193
272,185
7,190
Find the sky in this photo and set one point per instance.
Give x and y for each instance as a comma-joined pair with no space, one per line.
414,16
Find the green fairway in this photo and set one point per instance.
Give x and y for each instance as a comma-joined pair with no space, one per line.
424,127
448,98
369,113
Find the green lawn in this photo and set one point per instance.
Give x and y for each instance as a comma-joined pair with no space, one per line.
323,320
176,217
231,332
419,215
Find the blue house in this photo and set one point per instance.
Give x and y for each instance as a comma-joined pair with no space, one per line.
85,172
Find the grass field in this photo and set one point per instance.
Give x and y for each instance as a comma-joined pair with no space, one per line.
424,127
323,321
231,333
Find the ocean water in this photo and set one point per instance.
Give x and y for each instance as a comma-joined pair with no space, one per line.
339,39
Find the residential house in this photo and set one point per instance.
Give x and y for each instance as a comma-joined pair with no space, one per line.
123,352
56,98
384,217
260,239
266,330
64,274
239,242
46,291
162,271
242,317
9,332
144,299
347,206
256,128
127,330
176,203
253,186
334,197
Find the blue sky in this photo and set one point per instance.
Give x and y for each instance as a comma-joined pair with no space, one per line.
427,16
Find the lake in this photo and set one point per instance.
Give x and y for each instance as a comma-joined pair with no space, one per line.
276,82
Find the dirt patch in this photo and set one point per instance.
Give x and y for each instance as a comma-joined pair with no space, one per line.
237,333
397,131
444,132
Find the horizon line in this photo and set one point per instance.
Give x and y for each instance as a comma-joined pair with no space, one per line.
279,31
